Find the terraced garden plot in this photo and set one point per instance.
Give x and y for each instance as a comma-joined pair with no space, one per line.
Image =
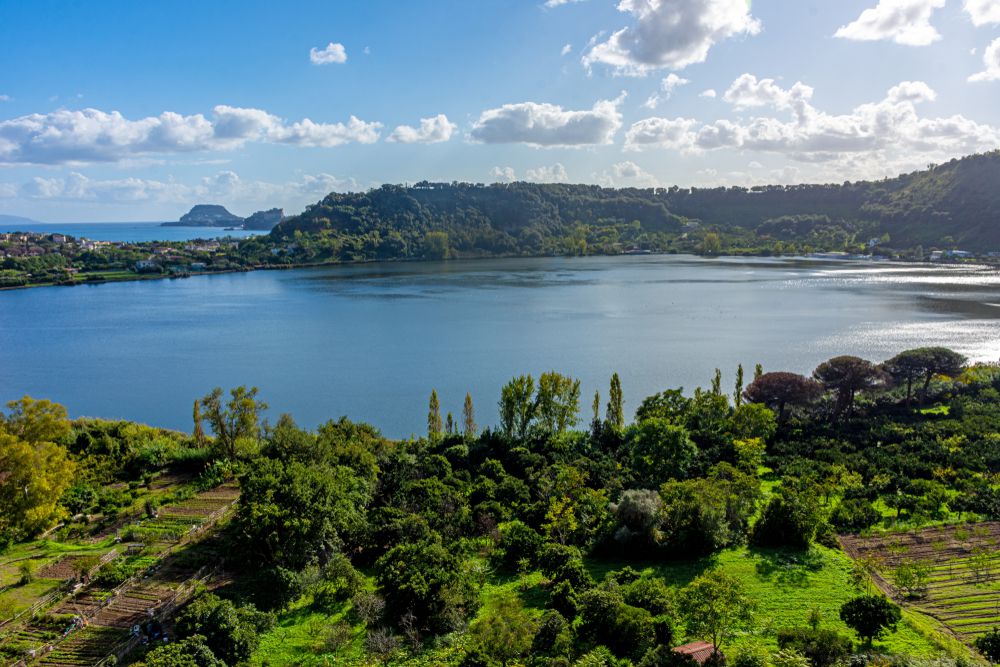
963,582
86,646
109,612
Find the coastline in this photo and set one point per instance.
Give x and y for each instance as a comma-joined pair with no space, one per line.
315,265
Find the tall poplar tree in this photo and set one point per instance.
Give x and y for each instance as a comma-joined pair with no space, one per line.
738,394
717,383
616,407
434,425
469,427
199,432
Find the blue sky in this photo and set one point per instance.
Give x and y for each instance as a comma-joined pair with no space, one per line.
136,111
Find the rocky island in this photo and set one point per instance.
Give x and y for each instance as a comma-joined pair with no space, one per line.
264,219
207,215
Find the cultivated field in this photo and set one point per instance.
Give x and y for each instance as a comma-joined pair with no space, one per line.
68,629
957,571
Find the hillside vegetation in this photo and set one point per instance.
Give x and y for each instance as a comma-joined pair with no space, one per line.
953,205
847,518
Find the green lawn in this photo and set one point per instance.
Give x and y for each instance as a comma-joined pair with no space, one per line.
786,586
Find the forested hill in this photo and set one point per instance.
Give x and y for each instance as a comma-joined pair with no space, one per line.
956,204
492,219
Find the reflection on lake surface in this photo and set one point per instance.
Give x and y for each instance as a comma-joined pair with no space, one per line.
370,341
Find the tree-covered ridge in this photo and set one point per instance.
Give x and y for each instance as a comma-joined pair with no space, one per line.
950,205
499,219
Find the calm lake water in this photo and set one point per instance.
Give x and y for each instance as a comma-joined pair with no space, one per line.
130,232
370,341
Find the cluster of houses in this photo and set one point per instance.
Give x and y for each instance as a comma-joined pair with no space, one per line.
30,244
159,257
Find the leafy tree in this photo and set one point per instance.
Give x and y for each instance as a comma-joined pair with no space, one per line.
711,244
780,390
436,245
425,579
231,633
518,541
236,423
749,454
517,406
699,517
33,477
870,616
923,364
505,631
638,515
292,513
557,402
855,514
912,578
670,405
192,651
715,607
576,512
789,519
657,449
753,420
822,648
606,620
36,421
553,637
469,427
434,426
989,645
615,415
847,375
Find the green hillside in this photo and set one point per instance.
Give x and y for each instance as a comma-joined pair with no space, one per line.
956,204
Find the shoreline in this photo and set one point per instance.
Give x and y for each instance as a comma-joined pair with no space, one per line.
315,265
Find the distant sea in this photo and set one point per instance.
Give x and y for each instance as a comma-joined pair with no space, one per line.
130,232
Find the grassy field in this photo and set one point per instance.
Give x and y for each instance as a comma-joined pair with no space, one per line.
785,584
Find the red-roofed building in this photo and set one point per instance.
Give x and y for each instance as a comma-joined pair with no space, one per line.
699,651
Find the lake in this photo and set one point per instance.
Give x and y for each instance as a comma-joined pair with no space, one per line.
129,232
371,341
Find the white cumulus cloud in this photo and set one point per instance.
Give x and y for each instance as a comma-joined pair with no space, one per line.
667,87
902,21
433,130
503,174
983,12
873,137
749,91
670,34
991,59
912,91
332,53
708,94
553,174
538,124
92,135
